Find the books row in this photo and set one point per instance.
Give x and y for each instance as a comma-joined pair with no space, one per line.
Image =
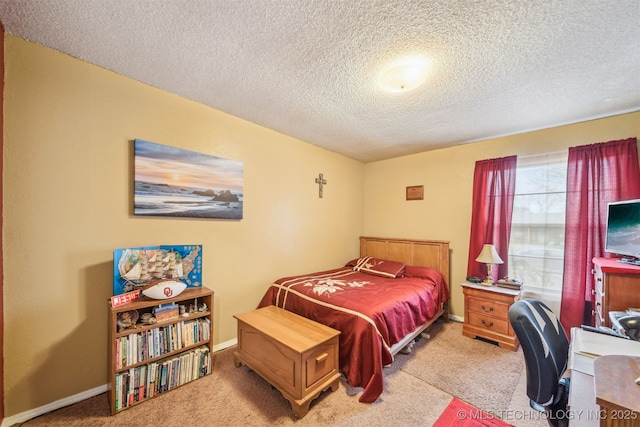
146,381
136,348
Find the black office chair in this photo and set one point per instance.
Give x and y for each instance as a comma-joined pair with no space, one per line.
546,352
631,326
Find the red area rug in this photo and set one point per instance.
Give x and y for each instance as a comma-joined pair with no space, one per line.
460,414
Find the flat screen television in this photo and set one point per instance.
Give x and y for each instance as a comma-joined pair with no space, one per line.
623,230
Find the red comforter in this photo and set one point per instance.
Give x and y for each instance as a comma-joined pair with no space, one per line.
372,313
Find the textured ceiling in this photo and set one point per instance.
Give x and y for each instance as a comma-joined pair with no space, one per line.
309,68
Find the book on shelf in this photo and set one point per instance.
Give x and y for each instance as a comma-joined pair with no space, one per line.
138,347
142,382
166,312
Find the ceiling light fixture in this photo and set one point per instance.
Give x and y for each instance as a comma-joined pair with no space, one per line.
404,74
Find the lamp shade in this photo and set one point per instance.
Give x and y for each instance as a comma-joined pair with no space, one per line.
489,255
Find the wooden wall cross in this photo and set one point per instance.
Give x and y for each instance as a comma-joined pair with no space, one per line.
321,182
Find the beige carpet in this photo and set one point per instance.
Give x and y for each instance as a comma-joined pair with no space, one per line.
238,397
492,371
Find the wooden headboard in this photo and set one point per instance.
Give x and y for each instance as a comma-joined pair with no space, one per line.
424,253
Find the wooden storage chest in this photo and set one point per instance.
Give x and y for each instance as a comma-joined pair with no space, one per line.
296,355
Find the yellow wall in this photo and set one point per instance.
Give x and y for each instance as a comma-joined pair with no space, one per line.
447,176
68,185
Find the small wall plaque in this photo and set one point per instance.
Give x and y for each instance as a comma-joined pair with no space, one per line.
415,192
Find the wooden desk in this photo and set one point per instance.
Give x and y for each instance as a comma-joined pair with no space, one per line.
596,390
616,392
582,401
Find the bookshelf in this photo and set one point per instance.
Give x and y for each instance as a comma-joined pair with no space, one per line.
148,359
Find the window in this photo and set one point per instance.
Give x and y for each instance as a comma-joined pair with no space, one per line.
536,248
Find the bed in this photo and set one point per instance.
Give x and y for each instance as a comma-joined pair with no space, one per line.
380,302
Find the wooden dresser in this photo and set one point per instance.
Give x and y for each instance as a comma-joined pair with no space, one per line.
617,288
296,355
486,314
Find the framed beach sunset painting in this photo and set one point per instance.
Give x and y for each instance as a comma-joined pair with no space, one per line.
174,182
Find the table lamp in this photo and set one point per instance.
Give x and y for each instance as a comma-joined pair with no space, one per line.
489,256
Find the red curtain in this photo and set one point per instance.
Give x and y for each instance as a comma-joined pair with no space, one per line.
494,183
596,175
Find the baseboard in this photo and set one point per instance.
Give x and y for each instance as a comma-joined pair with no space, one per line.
36,412
32,413
225,345
456,318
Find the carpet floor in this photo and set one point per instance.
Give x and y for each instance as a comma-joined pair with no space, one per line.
493,371
418,388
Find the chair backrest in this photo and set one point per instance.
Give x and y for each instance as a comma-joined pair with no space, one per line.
631,326
545,347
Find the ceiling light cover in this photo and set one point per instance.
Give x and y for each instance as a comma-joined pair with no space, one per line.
404,74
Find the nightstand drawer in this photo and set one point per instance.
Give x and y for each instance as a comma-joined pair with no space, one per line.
487,307
500,326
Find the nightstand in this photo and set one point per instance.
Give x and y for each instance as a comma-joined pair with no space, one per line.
486,314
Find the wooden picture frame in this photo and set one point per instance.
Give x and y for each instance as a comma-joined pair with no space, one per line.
415,192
